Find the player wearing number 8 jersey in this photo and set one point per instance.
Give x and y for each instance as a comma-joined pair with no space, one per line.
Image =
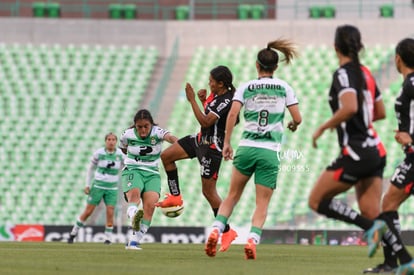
265,100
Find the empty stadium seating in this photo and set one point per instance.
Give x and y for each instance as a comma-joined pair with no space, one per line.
59,102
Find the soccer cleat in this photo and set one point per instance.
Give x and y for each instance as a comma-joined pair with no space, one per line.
170,200
211,244
71,238
136,220
226,239
406,269
374,236
108,242
250,250
132,245
381,268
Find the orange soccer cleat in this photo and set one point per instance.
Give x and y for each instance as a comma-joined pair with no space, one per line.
226,239
211,244
250,250
170,200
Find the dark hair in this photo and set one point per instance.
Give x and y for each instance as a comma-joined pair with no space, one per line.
268,58
110,134
405,49
348,42
223,74
144,114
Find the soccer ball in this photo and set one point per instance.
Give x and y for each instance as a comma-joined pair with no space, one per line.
172,211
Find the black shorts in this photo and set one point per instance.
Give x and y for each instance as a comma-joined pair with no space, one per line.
208,157
403,176
350,171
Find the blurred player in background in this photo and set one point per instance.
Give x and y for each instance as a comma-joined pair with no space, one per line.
141,179
206,145
102,182
360,160
265,100
402,182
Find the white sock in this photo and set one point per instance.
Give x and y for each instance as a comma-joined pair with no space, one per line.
143,228
108,232
132,209
75,229
219,225
255,237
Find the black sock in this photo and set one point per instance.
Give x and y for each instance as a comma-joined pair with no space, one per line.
340,211
393,239
390,258
173,182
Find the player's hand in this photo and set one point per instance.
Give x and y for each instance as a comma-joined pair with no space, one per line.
87,190
316,135
202,95
403,138
227,152
189,92
292,126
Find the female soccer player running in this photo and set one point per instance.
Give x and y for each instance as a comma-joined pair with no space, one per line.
402,182
102,183
141,179
360,160
265,100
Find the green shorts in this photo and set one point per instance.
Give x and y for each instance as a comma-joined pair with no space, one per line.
96,194
143,180
263,163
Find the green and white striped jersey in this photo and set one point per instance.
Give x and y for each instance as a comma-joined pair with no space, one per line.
264,101
143,154
108,166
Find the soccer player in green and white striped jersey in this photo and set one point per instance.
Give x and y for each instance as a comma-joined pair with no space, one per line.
102,183
141,179
265,100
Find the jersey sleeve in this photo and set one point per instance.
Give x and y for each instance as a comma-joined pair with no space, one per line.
408,88
123,142
220,106
95,158
239,94
342,82
161,132
290,96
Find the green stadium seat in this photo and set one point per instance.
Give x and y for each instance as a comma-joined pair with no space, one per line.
315,12
130,11
257,11
53,10
39,9
182,12
115,11
329,12
243,11
386,11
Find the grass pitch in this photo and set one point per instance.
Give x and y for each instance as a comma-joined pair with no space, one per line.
180,259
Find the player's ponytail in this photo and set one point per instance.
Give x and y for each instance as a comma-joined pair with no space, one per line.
268,58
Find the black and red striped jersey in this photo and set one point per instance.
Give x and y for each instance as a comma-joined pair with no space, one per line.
404,106
355,131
